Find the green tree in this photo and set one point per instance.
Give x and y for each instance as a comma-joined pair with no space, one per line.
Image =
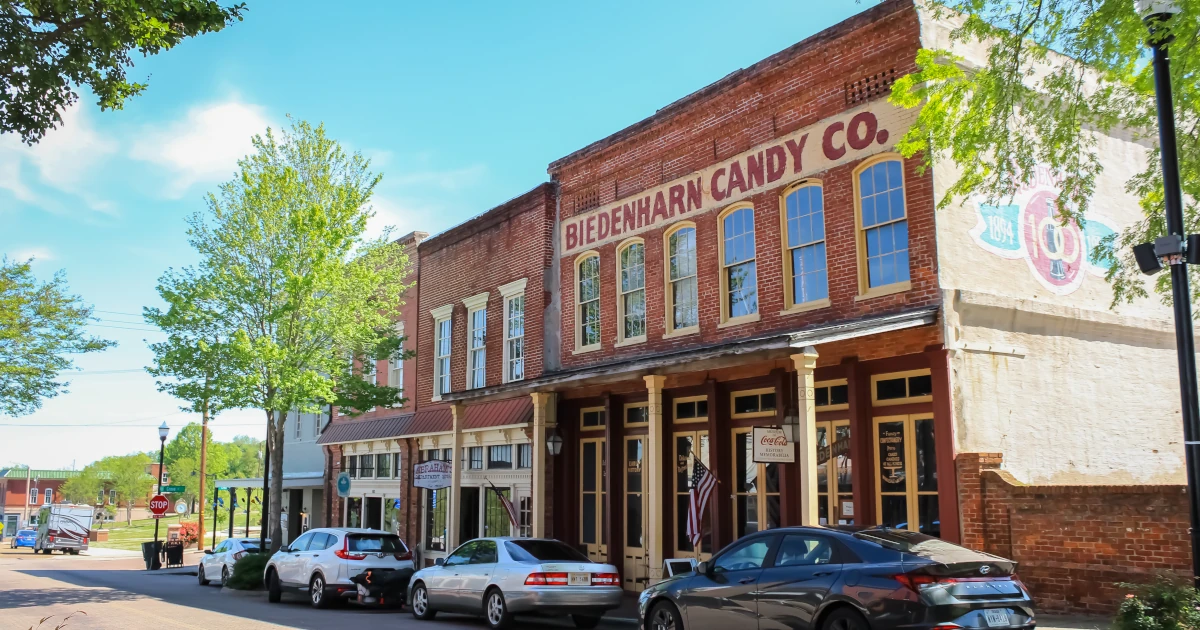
128,476
41,328
287,274
48,48
1027,104
84,487
244,456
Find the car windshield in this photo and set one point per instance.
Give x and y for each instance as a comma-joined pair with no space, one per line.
543,551
375,543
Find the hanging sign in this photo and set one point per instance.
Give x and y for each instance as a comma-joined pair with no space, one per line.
432,475
771,446
343,484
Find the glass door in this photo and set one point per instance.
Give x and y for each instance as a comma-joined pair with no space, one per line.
635,569
906,469
690,445
468,515
835,480
755,488
593,486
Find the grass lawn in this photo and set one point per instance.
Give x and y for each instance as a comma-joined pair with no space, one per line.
131,537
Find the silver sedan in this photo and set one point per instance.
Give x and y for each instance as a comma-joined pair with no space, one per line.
502,577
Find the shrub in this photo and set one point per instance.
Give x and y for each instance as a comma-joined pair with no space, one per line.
248,571
1168,603
189,532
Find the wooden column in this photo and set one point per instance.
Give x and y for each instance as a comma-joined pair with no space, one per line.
806,441
862,454
653,479
943,430
614,477
721,463
456,464
543,422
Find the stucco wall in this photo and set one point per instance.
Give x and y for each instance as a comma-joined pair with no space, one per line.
1045,370
303,454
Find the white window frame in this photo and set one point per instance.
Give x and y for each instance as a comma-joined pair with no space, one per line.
441,371
579,303
511,292
33,496
162,477
669,295
622,293
476,355
792,302
299,427
49,496
396,365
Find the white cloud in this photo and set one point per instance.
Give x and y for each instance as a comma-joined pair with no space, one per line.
66,159
401,216
41,254
203,147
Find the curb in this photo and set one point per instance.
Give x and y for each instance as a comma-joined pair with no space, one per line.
225,590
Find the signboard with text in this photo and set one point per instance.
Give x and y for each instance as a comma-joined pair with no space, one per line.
771,446
159,505
432,475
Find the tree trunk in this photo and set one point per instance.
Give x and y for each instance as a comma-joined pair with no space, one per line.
276,421
203,470
129,513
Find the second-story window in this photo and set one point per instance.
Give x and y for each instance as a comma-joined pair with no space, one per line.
884,236
632,302
477,357
588,302
514,338
739,274
296,430
441,359
396,364
49,496
683,308
804,259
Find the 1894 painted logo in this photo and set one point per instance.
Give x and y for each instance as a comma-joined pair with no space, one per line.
1059,256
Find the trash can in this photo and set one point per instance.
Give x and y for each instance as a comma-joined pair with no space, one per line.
151,551
174,552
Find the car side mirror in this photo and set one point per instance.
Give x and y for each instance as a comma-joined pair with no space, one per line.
703,568
208,552
439,562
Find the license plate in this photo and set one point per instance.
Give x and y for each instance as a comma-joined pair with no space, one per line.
579,579
996,617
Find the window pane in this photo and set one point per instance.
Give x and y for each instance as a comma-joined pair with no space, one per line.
637,415
383,465
844,471
744,466
930,522
683,297
633,466
767,401
920,385
892,461
821,397
745,404
891,389
685,410
926,456
702,408
589,467
589,519
895,511
743,289
771,472
633,520
747,514
635,313
839,395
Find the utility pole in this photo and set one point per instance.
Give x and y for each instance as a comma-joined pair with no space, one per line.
203,464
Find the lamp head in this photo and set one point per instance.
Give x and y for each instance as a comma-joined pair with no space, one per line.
554,444
162,431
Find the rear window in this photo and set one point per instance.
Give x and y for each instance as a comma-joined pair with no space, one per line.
375,543
543,551
26,532
915,543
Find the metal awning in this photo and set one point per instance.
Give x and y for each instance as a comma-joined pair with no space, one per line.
863,327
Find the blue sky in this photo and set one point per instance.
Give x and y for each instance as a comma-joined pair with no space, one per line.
460,106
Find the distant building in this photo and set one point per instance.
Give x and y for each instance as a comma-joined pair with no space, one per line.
25,491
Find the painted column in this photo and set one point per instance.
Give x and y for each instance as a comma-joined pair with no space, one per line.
452,514
543,421
806,441
653,478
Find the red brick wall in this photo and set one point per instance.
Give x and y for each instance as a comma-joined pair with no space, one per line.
785,93
507,243
1074,543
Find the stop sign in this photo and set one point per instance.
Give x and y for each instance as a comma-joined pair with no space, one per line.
159,505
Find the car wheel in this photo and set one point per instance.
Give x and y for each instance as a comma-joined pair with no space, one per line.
200,575
664,616
420,603
845,619
274,590
495,610
224,576
316,591
585,622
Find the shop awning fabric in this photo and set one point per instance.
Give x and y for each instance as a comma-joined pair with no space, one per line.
501,413
361,430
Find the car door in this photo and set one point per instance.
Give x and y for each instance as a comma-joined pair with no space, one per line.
291,562
726,596
312,558
446,593
477,573
804,569
209,565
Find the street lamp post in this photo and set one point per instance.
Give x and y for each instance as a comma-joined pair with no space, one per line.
1170,249
162,443
214,542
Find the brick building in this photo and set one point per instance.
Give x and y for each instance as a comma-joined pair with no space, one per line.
25,491
753,279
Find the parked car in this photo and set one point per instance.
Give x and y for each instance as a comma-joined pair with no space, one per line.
24,538
321,562
219,560
827,579
502,577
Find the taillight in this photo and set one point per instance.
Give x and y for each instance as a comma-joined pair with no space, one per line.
919,582
605,579
51,538
546,579
407,555
344,552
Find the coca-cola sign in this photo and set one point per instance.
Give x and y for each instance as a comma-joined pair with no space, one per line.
771,446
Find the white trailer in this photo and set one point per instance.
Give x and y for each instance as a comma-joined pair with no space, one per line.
65,527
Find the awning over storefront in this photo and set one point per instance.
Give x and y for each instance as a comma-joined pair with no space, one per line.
501,413
863,327
438,420
360,430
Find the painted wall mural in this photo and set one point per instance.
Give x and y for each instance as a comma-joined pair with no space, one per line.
1059,256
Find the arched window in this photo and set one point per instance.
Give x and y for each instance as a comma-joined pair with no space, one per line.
883,240
739,275
804,245
682,303
587,301
631,303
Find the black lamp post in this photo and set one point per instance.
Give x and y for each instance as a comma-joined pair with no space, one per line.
162,443
1172,251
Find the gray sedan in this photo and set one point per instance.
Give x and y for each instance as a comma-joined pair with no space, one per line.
502,577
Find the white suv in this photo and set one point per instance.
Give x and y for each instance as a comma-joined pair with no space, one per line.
322,561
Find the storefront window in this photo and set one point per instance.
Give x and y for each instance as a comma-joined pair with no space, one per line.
835,504
906,456
366,466
475,457
495,517
500,456
383,465
524,456
436,502
354,512
688,446
593,486
634,457
525,512
756,488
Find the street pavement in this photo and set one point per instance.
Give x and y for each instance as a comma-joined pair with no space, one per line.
115,591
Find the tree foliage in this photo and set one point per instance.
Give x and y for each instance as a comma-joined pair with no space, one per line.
49,48
293,284
1058,72
84,487
41,328
128,476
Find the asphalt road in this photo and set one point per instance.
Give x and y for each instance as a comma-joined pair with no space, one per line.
117,592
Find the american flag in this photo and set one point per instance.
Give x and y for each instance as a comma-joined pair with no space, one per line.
703,483
508,506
